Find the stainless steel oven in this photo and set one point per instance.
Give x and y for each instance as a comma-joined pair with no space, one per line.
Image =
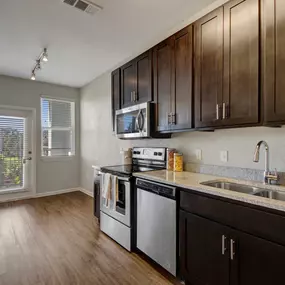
115,219
134,122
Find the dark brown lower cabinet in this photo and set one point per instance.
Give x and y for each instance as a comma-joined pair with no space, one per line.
256,261
215,254
201,258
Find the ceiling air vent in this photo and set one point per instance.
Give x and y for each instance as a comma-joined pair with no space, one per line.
83,5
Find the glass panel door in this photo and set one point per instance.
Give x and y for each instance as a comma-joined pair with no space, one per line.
15,150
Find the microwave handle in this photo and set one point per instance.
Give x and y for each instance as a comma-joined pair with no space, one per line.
142,118
137,120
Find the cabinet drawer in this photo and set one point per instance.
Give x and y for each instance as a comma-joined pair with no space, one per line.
253,221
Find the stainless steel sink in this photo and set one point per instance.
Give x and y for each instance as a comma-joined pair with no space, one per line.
241,188
275,195
247,189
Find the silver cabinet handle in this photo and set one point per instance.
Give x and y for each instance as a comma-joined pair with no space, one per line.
132,96
224,111
224,248
218,112
173,118
233,249
169,118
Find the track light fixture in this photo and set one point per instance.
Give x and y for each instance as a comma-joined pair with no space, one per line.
42,58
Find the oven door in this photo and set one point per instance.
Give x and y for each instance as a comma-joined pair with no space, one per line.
119,207
133,122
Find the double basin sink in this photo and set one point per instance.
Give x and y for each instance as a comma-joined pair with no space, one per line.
246,189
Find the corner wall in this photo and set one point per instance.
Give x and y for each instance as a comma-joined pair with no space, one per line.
55,174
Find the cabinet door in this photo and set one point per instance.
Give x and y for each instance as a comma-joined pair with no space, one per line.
128,79
256,261
116,95
143,65
162,55
209,69
202,259
241,62
182,95
274,60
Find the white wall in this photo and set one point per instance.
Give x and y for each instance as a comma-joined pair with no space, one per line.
100,147
51,175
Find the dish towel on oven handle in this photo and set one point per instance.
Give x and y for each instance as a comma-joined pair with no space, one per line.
106,189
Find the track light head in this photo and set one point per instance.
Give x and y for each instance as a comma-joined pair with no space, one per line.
45,55
33,77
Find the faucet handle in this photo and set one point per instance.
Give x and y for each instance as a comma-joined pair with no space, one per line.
275,172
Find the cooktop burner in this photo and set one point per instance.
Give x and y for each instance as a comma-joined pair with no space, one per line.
129,169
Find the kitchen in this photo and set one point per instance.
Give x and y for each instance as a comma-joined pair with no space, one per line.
176,146
238,103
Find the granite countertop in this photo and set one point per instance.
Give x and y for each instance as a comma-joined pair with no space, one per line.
189,180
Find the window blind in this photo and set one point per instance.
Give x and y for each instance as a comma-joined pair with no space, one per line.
58,131
12,150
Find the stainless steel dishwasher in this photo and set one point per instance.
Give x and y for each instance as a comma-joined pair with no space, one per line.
156,223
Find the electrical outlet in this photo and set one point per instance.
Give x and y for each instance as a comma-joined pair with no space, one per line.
198,154
224,156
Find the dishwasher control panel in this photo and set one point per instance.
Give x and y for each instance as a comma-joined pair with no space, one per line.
160,189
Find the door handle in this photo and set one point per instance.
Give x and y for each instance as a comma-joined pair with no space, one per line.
233,243
224,247
26,159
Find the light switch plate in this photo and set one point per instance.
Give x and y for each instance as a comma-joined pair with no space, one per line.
224,156
198,154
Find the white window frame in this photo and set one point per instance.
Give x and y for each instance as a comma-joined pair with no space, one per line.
72,129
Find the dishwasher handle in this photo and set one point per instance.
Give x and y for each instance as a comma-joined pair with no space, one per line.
157,188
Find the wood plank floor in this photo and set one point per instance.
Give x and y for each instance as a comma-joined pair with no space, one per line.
56,240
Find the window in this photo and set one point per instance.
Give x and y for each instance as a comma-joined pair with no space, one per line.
58,128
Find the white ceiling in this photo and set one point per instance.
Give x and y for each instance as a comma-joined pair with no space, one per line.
80,46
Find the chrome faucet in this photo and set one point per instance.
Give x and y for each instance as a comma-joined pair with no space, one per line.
268,176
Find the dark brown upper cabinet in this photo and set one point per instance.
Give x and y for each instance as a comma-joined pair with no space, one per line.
162,73
116,94
208,69
227,65
182,82
241,62
273,43
173,73
136,80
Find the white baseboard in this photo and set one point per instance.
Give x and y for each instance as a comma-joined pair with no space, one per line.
87,192
57,192
28,195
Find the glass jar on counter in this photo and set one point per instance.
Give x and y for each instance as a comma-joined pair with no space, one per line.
178,162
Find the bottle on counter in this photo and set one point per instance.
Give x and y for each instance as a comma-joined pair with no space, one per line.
178,162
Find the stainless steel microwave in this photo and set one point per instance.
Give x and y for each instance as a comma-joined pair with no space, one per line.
134,122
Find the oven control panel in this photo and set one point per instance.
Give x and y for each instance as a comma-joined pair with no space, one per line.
149,153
